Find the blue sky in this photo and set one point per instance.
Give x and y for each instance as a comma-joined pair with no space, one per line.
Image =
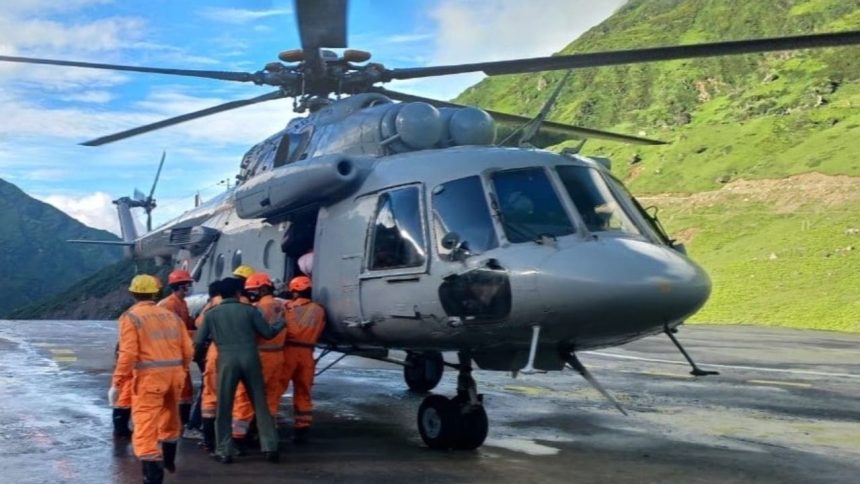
45,111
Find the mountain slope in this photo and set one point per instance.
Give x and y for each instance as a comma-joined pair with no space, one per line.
756,116
762,179
103,295
34,254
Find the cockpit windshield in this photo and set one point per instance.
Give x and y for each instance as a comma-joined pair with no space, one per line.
595,201
528,205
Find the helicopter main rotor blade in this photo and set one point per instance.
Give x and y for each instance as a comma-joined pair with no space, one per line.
322,23
221,75
558,128
634,56
182,118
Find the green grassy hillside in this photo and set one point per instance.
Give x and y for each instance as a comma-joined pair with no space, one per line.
785,256
34,255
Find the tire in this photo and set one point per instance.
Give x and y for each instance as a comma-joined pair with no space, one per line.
437,422
472,429
423,371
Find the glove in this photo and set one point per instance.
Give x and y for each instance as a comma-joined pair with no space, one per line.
113,395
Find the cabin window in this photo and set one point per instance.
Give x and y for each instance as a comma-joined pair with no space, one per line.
219,265
460,207
398,239
529,207
237,259
594,200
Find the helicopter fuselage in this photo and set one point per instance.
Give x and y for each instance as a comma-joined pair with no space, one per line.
470,248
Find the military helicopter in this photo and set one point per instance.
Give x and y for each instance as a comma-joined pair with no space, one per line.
427,236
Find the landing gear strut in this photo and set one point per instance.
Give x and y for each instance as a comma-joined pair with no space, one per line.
456,423
670,332
423,371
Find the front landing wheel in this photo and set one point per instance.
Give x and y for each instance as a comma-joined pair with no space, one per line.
437,422
472,429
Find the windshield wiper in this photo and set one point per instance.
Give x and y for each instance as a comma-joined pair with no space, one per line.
519,230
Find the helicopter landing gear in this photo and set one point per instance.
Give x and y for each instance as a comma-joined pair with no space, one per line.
423,371
455,423
670,332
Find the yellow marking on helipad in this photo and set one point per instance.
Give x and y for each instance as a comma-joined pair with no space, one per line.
666,374
781,383
65,358
530,391
62,351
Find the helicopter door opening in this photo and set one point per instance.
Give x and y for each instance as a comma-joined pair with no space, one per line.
396,256
298,244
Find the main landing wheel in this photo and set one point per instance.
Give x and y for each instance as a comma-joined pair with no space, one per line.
423,371
452,424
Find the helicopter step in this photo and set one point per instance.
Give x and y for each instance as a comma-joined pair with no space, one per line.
423,371
455,423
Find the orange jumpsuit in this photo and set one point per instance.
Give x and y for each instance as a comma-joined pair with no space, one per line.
272,363
305,322
210,372
154,352
124,398
180,308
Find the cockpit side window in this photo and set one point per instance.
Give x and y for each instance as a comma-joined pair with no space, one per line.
529,205
460,207
398,237
283,151
594,200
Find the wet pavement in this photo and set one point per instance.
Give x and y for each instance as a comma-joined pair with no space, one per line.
786,408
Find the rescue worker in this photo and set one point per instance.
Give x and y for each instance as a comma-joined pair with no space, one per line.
122,409
207,392
154,352
180,282
233,327
242,273
260,289
305,323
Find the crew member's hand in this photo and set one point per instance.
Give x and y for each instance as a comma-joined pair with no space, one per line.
113,395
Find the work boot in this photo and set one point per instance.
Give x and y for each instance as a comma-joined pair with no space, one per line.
120,422
169,451
224,459
300,435
153,473
184,412
272,456
209,433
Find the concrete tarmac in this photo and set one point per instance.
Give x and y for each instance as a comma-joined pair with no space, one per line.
785,408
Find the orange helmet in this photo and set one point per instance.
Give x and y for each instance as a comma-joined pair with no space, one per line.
258,280
179,276
300,283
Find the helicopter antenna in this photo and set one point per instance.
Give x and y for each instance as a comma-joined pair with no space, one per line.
532,128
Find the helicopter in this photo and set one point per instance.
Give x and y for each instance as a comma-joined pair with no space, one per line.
427,235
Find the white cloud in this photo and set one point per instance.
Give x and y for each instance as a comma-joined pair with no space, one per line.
240,15
96,97
95,210
469,31
504,29
47,6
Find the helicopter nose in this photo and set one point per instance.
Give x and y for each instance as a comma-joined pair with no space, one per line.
620,286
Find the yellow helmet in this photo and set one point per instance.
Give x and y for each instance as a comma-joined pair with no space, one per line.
244,271
144,284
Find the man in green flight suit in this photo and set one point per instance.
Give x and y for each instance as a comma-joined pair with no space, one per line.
233,327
